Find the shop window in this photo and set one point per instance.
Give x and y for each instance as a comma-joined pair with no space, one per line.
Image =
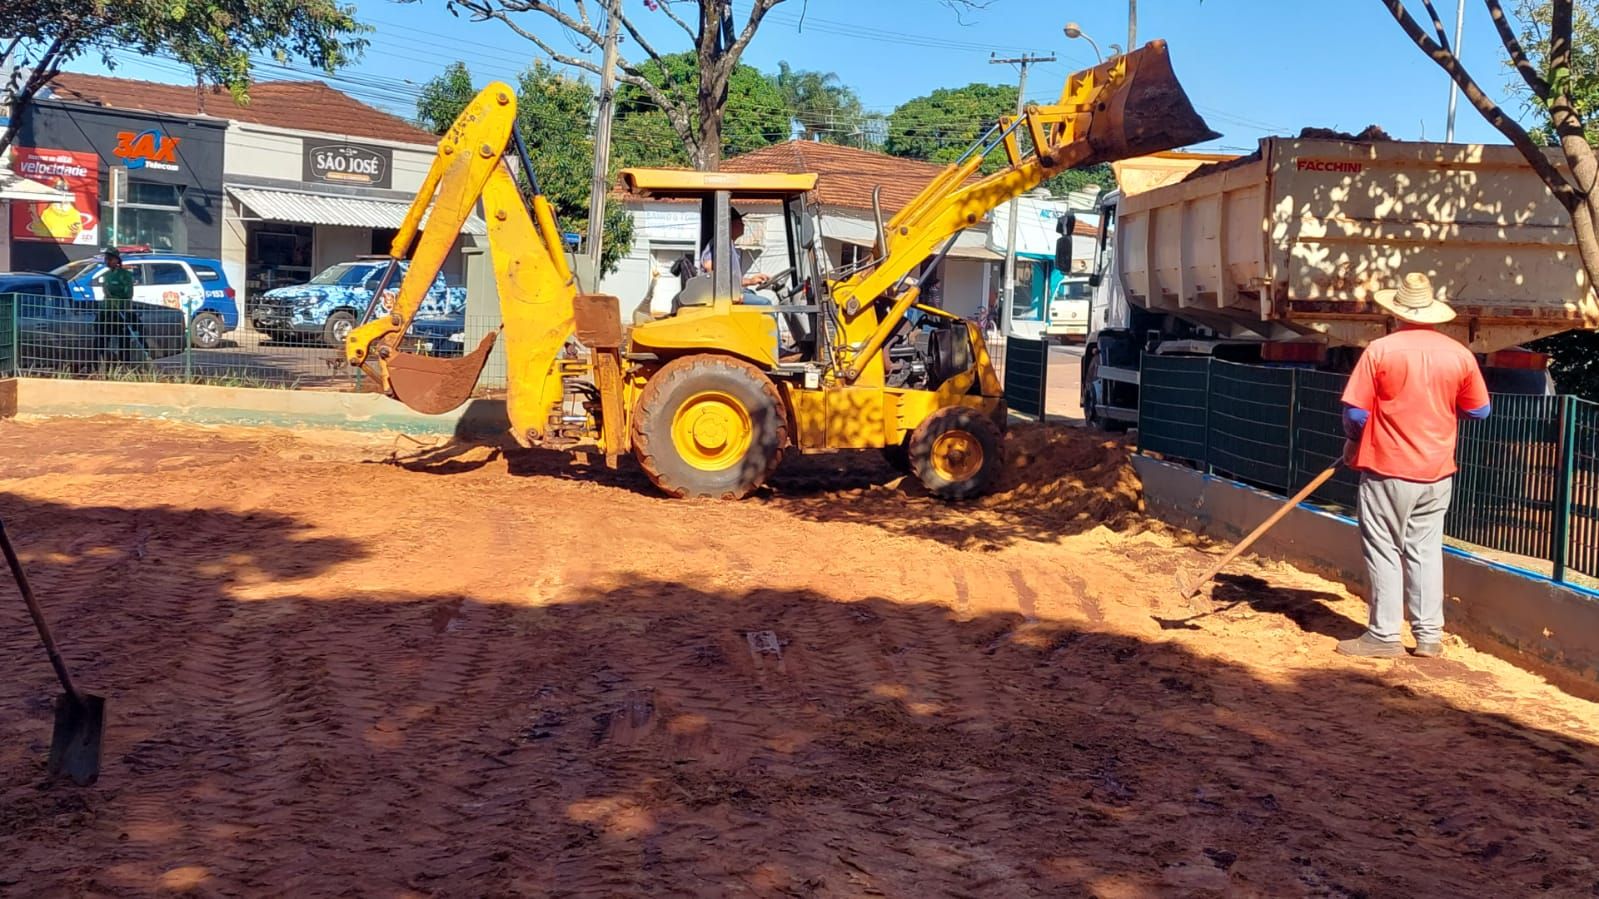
152,217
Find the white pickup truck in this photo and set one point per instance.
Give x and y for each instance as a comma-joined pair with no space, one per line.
1274,257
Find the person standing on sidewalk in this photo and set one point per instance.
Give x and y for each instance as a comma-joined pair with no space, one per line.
115,318
1401,407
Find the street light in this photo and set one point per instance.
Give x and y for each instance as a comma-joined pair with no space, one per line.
1074,31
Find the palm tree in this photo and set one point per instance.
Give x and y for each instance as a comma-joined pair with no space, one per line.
822,107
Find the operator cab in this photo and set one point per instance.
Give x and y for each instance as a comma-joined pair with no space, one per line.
790,296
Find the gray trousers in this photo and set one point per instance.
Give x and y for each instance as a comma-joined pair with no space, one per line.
1402,533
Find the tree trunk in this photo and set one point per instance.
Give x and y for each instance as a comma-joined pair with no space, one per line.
708,152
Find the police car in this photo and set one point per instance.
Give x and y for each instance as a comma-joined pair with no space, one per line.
193,284
330,305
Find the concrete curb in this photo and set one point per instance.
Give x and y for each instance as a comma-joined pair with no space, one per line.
1520,616
250,406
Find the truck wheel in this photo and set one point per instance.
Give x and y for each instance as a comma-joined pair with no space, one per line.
957,453
1091,395
205,331
338,327
709,425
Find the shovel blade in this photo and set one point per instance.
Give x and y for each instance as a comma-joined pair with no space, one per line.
75,741
433,386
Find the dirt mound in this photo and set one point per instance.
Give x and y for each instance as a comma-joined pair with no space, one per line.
1068,472
1371,134
1057,482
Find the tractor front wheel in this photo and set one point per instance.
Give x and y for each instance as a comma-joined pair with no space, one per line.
957,453
709,425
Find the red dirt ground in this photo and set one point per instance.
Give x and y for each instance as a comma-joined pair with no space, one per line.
473,674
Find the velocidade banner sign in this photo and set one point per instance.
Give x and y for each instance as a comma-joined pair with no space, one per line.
74,222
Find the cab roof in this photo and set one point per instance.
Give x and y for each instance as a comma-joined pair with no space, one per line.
685,184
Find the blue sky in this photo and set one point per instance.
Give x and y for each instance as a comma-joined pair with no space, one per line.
1252,67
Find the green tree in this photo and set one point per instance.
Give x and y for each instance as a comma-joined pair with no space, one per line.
942,125
443,98
1534,17
822,107
695,112
756,115
553,114
216,37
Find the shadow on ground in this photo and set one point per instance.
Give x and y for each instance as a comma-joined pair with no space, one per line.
1056,481
639,734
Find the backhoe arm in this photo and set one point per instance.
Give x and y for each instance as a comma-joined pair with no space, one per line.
1129,106
536,289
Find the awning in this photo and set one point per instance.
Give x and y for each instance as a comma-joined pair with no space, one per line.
323,209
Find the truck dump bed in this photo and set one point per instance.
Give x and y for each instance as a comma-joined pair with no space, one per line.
1293,240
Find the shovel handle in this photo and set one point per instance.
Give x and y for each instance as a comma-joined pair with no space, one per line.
1263,527
38,615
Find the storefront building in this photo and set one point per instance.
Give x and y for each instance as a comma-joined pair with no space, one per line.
172,200
300,178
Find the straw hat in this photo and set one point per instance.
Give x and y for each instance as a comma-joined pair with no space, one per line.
1415,301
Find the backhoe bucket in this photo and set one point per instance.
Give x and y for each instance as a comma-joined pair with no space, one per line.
1146,112
431,385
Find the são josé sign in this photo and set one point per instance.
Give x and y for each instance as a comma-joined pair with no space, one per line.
339,162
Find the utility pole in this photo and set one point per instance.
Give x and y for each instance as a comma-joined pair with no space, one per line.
602,141
1132,25
1460,25
1007,283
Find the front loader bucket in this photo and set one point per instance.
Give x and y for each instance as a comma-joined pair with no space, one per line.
431,385
1145,112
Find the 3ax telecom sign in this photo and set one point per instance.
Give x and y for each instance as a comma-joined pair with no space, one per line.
339,162
148,149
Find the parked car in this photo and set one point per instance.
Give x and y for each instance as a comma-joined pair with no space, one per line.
56,329
334,301
438,335
192,283
1068,308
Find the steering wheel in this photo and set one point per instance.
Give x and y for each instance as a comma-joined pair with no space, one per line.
777,285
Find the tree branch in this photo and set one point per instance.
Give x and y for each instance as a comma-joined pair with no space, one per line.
666,7
1562,110
638,38
1438,26
1551,176
1518,56
762,7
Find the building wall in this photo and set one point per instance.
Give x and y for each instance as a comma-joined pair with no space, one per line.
271,157
197,157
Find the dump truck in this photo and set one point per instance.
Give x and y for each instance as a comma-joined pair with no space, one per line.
1274,257
709,398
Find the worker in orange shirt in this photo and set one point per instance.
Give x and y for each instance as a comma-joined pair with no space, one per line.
1401,407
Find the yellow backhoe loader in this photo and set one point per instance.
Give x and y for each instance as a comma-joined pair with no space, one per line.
709,397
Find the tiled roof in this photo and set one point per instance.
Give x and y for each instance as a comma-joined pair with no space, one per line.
304,105
847,175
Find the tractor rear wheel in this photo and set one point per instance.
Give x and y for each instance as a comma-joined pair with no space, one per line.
957,453
709,425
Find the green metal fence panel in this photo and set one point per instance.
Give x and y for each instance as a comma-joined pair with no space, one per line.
1319,436
1504,491
1251,414
1026,375
8,334
1172,399
1582,544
